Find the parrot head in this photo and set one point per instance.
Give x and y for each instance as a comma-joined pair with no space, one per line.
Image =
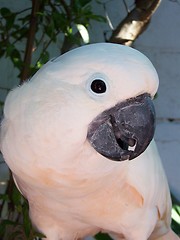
98,97
112,72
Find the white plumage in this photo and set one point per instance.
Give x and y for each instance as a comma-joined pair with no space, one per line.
73,191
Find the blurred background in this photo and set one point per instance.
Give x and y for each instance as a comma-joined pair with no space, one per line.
33,31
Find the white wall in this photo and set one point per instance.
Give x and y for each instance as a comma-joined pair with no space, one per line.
161,43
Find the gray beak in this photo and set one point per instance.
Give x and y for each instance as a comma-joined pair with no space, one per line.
124,131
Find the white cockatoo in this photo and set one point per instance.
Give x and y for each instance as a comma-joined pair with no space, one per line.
77,139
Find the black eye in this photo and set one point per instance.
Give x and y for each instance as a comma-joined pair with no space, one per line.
98,86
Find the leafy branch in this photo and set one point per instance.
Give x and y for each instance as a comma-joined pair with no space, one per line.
41,25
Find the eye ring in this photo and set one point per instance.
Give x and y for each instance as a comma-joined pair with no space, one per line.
98,86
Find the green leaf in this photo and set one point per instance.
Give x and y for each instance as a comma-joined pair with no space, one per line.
102,236
10,48
26,220
84,2
4,197
83,32
10,21
60,21
14,55
16,58
175,214
50,29
44,57
5,12
16,196
175,226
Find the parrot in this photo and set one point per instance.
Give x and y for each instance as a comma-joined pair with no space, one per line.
78,137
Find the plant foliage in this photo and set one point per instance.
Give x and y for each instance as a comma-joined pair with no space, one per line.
54,20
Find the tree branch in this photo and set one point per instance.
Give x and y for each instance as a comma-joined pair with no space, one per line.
30,40
135,22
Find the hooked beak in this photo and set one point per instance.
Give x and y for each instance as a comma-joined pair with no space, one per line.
125,130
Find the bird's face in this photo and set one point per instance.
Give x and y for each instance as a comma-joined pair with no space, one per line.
97,97
111,90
